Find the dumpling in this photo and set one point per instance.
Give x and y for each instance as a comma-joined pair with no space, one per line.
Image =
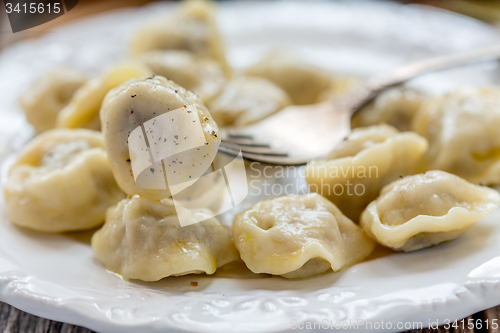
462,128
395,107
303,82
246,100
203,76
142,239
426,209
339,84
83,108
298,236
46,97
173,119
208,192
61,181
353,174
190,27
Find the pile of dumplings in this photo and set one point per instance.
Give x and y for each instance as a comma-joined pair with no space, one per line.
418,166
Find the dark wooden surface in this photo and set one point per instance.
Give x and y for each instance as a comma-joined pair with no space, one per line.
13,320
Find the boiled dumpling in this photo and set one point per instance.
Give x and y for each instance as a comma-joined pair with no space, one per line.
246,100
142,239
463,133
339,85
203,76
83,108
303,82
298,236
61,181
395,107
426,209
190,27
149,103
46,97
353,174
208,192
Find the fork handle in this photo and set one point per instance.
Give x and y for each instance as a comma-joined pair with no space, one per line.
373,86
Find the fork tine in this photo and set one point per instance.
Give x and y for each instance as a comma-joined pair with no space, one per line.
257,150
246,142
268,159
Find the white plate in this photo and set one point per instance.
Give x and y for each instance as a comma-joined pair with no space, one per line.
56,276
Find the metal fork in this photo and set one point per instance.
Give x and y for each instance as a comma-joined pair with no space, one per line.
297,134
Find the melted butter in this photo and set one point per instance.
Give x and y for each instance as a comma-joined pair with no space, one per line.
493,153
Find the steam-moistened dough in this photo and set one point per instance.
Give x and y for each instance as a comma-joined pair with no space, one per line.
303,82
138,101
61,181
83,109
203,76
189,27
208,192
142,239
463,132
298,236
46,97
395,107
426,209
246,100
353,174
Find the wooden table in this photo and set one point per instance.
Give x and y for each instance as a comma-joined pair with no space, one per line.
13,320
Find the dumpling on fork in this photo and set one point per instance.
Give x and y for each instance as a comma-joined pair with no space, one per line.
157,134
142,239
298,236
354,172
61,181
422,210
